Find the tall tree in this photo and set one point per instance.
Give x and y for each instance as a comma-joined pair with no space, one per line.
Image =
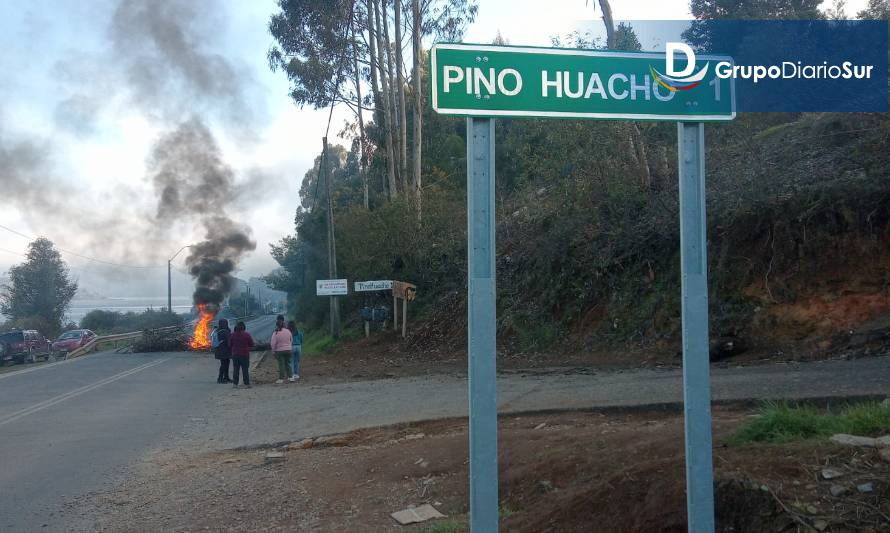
363,151
318,50
386,97
755,9
400,79
314,44
446,20
392,97
378,79
876,10
40,289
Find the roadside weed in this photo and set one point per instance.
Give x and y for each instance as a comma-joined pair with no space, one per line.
781,422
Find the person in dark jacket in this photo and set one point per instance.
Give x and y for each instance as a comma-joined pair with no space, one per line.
223,350
241,343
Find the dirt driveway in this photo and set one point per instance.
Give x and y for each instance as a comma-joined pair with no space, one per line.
559,472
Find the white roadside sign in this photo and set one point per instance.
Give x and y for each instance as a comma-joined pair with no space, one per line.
331,287
379,285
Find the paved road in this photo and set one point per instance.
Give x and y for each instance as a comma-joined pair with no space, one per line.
76,426
273,414
261,328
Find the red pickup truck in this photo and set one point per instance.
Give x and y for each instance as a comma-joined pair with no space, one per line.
23,346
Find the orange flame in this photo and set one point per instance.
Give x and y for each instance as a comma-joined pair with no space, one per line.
201,337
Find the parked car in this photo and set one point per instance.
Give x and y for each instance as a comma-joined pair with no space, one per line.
24,346
72,340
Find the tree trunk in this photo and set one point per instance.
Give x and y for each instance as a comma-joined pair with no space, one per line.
609,23
372,48
375,70
643,160
386,99
637,143
391,96
403,113
361,123
418,105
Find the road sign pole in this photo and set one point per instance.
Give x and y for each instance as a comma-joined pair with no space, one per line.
481,326
696,369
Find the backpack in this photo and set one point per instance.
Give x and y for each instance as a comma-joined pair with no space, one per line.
214,339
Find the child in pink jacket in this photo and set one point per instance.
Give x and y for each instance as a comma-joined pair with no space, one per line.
281,347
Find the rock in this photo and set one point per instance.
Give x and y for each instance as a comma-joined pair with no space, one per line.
820,525
853,440
883,442
726,347
332,440
838,490
415,436
304,444
274,457
541,425
831,473
865,488
885,454
414,515
812,509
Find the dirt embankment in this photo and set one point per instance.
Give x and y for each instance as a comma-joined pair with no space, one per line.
562,473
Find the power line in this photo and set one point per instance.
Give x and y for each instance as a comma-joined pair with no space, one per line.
88,258
13,253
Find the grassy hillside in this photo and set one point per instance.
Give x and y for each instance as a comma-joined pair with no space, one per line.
588,252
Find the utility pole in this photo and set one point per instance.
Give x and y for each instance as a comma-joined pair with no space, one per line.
170,278
170,286
332,245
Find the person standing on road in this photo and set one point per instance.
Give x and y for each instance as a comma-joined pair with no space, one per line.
281,347
214,338
296,348
241,343
223,350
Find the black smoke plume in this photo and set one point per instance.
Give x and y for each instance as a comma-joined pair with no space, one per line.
212,261
193,182
189,174
162,60
162,49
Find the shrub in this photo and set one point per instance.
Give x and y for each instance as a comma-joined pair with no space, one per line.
781,422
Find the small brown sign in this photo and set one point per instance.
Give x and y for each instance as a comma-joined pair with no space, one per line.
405,290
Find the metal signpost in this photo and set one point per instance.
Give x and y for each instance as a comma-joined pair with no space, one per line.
481,82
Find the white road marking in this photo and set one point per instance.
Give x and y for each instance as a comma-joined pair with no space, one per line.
76,392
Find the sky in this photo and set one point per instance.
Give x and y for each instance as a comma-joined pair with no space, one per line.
87,97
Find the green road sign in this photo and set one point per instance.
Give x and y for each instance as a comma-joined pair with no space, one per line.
491,81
